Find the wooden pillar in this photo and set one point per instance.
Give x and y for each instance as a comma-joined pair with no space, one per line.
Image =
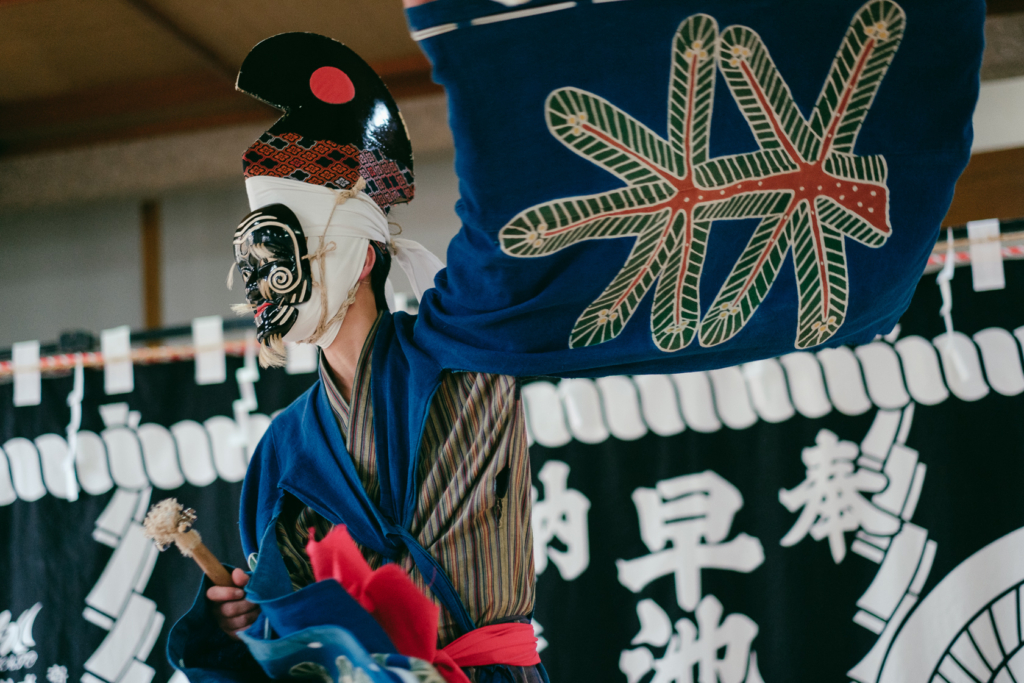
992,186
152,290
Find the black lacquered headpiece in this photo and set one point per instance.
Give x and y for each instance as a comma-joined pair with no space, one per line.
340,121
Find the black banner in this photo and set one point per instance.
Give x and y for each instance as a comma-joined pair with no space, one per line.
86,597
884,544
853,514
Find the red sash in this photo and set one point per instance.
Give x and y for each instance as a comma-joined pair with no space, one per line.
410,619
512,644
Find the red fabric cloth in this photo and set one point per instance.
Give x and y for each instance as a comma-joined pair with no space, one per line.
409,618
513,644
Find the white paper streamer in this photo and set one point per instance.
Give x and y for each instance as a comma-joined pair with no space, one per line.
986,255
28,384
75,403
208,340
118,374
948,349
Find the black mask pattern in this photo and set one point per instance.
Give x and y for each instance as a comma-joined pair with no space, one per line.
269,251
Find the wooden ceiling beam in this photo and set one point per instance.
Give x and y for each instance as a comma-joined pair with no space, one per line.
136,131
160,105
119,99
992,186
157,16
1004,6
406,77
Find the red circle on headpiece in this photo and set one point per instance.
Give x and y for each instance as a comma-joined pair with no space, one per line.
332,85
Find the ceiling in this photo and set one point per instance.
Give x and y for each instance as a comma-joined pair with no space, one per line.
74,73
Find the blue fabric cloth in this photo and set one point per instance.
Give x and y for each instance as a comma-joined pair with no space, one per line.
290,612
307,631
317,631
198,647
494,312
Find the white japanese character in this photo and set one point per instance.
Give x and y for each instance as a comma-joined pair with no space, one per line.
693,646
562,515
16,636
831,496
542,642
57,674
684,521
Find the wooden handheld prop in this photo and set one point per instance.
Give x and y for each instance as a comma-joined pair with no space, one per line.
168,522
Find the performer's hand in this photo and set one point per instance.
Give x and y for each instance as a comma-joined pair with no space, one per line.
234,613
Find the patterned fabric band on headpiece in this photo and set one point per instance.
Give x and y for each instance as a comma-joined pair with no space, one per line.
326,163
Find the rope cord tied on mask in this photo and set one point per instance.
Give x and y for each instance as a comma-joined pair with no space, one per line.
344,221
319,257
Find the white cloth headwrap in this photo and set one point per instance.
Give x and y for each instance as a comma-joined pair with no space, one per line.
351,225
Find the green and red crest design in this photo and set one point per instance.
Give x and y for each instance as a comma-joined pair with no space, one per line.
805,184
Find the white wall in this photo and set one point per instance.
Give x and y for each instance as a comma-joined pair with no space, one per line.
430,217
999,116
79,266
69,267
196,252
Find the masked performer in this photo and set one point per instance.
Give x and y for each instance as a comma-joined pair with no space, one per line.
315,255
784,196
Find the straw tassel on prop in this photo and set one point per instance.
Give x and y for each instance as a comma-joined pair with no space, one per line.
168,522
